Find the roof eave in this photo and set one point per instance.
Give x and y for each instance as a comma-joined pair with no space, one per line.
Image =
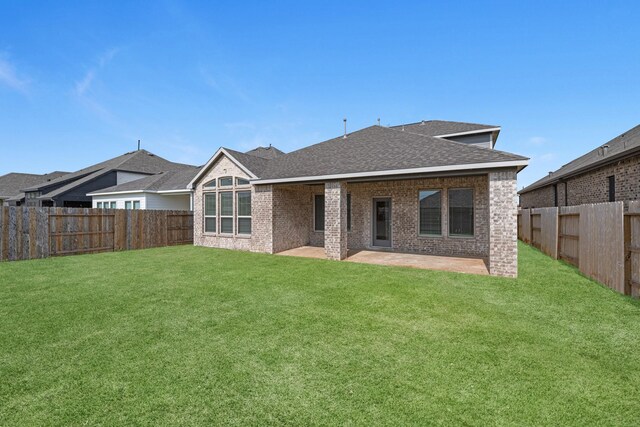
519,164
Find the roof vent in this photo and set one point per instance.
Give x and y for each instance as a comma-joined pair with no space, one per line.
378,121
550,173
603,150
422,123
402,128
345,127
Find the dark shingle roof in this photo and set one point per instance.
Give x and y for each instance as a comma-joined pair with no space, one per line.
269,152
378,148
140,161
442,127
255,164
163,181
620,146
11,184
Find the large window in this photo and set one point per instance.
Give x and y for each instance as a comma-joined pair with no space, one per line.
318,212
210,212
226,212
461,212
244,212
430,212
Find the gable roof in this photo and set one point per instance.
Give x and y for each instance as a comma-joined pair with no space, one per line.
378,150
445,128
141,161
163,182
12,183
625,144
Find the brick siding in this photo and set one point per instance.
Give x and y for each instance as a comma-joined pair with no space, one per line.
503,234
591,186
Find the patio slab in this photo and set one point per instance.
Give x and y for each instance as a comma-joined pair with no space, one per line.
426,262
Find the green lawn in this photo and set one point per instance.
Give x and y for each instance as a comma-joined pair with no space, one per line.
188,335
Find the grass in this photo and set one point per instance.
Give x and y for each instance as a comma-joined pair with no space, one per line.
189,335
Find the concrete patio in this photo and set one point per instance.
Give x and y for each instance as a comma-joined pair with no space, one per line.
426,262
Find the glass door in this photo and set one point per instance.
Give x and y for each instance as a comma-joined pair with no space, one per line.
382,222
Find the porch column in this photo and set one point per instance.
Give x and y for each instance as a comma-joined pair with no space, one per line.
335,220
503,224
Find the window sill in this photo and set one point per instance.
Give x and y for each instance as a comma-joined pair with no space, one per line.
462,236
243,236
430,236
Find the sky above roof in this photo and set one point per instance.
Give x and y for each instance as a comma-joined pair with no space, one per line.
81,83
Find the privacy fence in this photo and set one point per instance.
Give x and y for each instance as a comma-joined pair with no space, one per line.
28,233
602,240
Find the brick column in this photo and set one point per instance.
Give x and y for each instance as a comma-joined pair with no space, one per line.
262,219
503,224
335,220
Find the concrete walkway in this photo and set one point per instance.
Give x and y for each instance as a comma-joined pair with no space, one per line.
426,262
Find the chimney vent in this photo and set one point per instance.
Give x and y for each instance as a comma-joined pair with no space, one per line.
378,121
345,127
138,145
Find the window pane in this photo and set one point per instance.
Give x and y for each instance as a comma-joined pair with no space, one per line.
210,225
244,225
226,203
226,181
244,203
242,181
348,212
113,205
99,205
127,205
226,225
210,184
430,212
136,204
319,212
210,204
461,212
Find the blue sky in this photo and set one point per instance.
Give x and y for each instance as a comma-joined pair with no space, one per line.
82,82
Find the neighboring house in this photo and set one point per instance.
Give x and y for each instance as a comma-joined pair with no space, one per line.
11,185
71,190
376,188
165,190
608,173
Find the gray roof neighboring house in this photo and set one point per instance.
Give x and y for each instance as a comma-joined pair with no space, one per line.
621,146
11,184
269,152
163,182
442,127
140,161
372,151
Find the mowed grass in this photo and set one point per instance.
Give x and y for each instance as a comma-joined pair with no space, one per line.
189,335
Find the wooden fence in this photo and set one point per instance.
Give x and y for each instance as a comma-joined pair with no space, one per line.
601,240
28,233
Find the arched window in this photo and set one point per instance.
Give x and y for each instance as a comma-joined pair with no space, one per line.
210,184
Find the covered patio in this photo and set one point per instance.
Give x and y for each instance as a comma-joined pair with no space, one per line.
397,259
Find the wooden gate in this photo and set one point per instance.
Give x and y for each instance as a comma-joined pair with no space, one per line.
569,238
632,254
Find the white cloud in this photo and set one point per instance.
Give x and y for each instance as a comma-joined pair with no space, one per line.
10,78
83,85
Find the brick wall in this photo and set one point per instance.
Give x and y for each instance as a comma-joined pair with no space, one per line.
503,234
335,220
292,211
404,213
591,187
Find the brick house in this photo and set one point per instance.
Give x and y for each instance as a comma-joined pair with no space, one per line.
609,173
406,189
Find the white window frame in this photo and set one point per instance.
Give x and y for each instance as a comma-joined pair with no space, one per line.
238,216
205,216
233,211
226,186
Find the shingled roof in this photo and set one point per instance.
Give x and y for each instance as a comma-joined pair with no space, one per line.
140,161
621,146
380,149
11,184
442,127
162,182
